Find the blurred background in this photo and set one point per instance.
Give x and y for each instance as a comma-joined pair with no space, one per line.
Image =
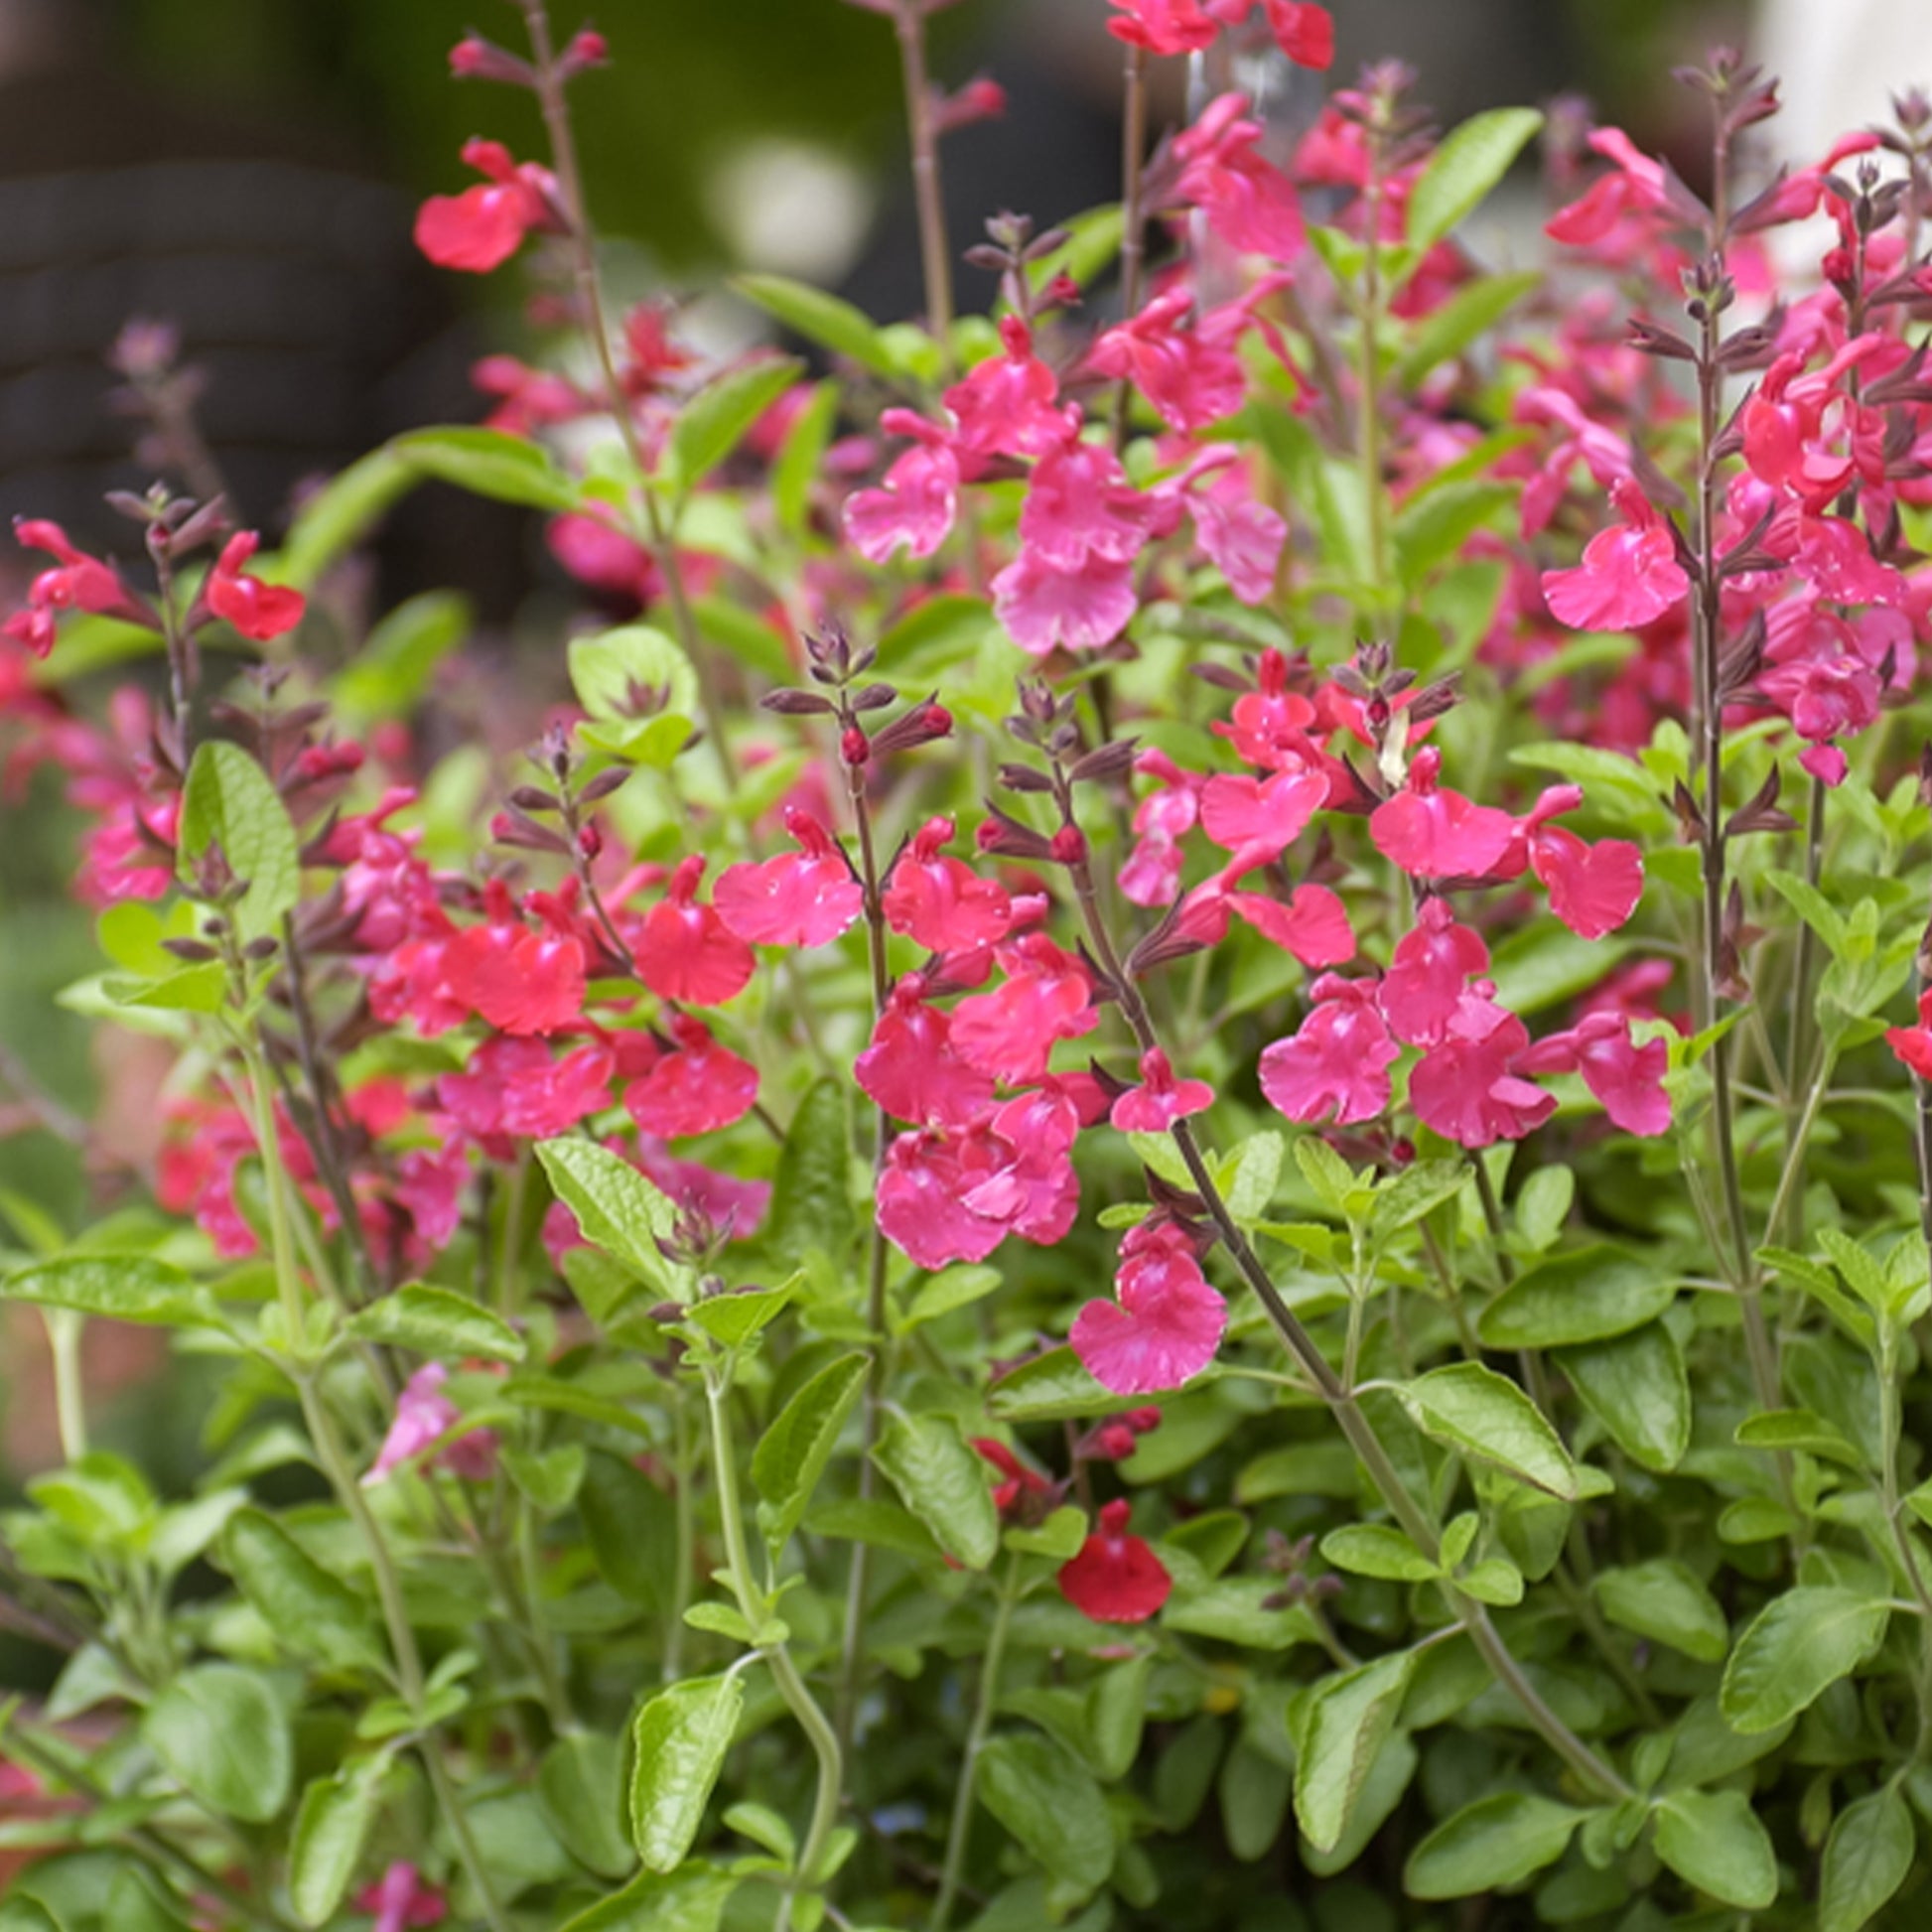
248,171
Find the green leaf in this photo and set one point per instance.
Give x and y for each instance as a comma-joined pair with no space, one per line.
941,632
388,676
1055,1387
489,462
1867,1856
617,1209
20,1913
1468,163
228,802
307,1606
1475,1411
1496,1842
796,467
709,426
332,1825
1244,1610
1469,314
1663,1600
957,1287
123,1288
138,1901
222,1732
679,1740
792,1454
943,1483
1796,1646
1116,1714
1714,1842
341,512
1257,1173
872,1520
1345,1723
691,1900
1050,1803
736,1316
1636,1387
640,690
437,1321
629,1523
1795,1430
1587,1296
811,1201
1377,1550
820,318
1060,1537
581,1788
1433,529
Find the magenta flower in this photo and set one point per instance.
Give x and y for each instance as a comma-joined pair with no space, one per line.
1258,819
1165,26
1626,1080
915,503
1166,1324
1630,574
484,226
259,611
513,1086
1116,1577
1191,377
1046,608
685,951
1913,1045
424,1414
1432,963
1010,1033
1151,873
799,899
911,1069
939,900
1007,405
399,1900
1432,833
1470,1087
1249,203
77,582
697,1088
1336,1063
1160,1099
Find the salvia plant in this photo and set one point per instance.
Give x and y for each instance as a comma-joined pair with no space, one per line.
1168,1168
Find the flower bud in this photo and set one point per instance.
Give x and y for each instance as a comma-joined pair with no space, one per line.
1069,845
854,747
475,59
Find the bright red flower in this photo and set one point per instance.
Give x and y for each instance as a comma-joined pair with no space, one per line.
484,226
1593,889
77,582
685,951
911,1069
259,611
1154,1106
1269,727
697,1088
1010,1033
520,982
1432,833
1630,574
1116,1577
1913,1045
1020,1488
1336,1063
1635,186
939,901
1313,925
799,899
1304,32
1258,819
1166,1324
1627,1079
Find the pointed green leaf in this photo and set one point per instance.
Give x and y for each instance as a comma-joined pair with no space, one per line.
679,1738
708,427
1475,1411
943,1482
123,1288
691,1900
1586,1295
1496,1842
1798,1644
616,1208
1713,1841
222,1732
1346,1720
820,318
1867,1856
792,1454
489,462
1662,1599
228,802
305,1606
1470,161
1050,1803
331,1826
437,1321
1636,1387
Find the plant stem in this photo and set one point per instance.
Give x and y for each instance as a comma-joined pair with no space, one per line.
682,1565
983,1705
1342,1402
590,295
1368,421
936,254
340,1473
1797,1049
1133,216
784,1673
67,1331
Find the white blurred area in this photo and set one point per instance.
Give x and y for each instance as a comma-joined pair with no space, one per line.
1840,64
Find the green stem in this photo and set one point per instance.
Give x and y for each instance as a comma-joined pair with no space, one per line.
983,1708
66,1333
686,1529
784,1673
935,256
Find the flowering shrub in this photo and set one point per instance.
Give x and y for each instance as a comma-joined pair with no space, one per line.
1159,1173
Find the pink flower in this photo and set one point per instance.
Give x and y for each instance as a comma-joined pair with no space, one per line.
697,1088
686,951
77,582
1249,203
1191,378
1260,818
1166,1324
1433,961
1437,834
799,899
1116,1577
1304,32
513,1086
424,1414
1163,26
1636,186
1626,1079
1006,406
1045,608
1313,926
1629,575
916,502
911,1069
922,1203
939,901
484,226
399,1900
1009,1031
1151,874
1336,1063
1469,1087
1155,1105
259,611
